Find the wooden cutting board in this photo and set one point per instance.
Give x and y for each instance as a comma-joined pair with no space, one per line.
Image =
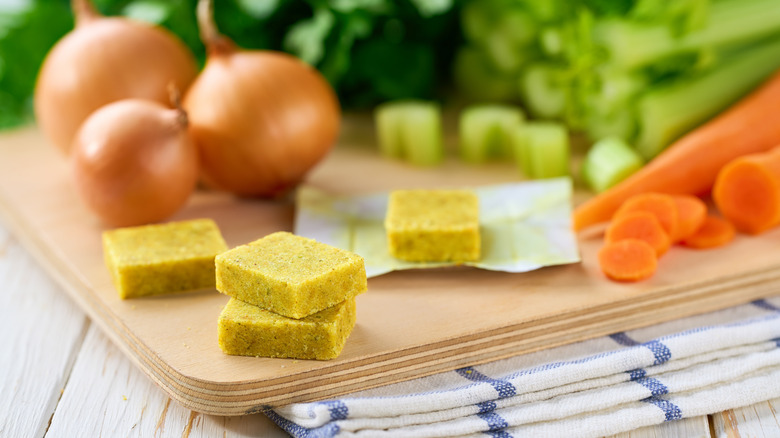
410,324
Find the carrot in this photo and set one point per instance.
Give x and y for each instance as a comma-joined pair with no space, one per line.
714,232
747,191
639,225
660,205
691,164
691,213
627,260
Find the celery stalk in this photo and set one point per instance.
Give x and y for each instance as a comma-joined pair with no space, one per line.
486,131
609,109
667,113
476,20
410,130
518,27
631,44
475,79
608,162
543,149
543,88
621,124
505,56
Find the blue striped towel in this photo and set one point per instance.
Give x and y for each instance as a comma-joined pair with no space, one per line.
684,368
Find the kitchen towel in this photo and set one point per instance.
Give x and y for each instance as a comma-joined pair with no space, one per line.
684,368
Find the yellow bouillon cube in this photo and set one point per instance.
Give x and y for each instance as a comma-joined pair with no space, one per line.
290,275
433,225
164,258
247,330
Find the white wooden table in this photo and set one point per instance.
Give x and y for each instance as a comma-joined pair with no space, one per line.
60,376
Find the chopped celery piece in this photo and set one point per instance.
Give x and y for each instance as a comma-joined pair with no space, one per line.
486,131
388,118
520,149
410,130
544,91
476,80
543,149
667,113
608,162
421,134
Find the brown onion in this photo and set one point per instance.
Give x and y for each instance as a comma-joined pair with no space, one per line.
134,162
105,59
261,119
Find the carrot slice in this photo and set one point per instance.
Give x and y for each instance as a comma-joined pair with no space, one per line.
747,191
639,225
713,233
662,206
691,164
691,213
627,260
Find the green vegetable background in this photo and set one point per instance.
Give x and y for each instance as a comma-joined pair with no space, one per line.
370,50
645,71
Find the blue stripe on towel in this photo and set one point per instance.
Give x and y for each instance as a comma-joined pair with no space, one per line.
766,305
486,406
623,339
338,409
660,351
498,434
671,410
327,431
776,341
494,421
654,385
504,388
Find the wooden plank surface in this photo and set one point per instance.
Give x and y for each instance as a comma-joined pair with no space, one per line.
43,330
410,323
758,420
108,396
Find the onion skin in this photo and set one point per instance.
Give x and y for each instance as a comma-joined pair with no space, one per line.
261,119
134,162
103,60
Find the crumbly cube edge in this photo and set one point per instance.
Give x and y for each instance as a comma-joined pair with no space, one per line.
247,330
137,272
249,273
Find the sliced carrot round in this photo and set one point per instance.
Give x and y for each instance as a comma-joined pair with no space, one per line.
691,213
661,205
713,233
627,260
747,193
639,225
